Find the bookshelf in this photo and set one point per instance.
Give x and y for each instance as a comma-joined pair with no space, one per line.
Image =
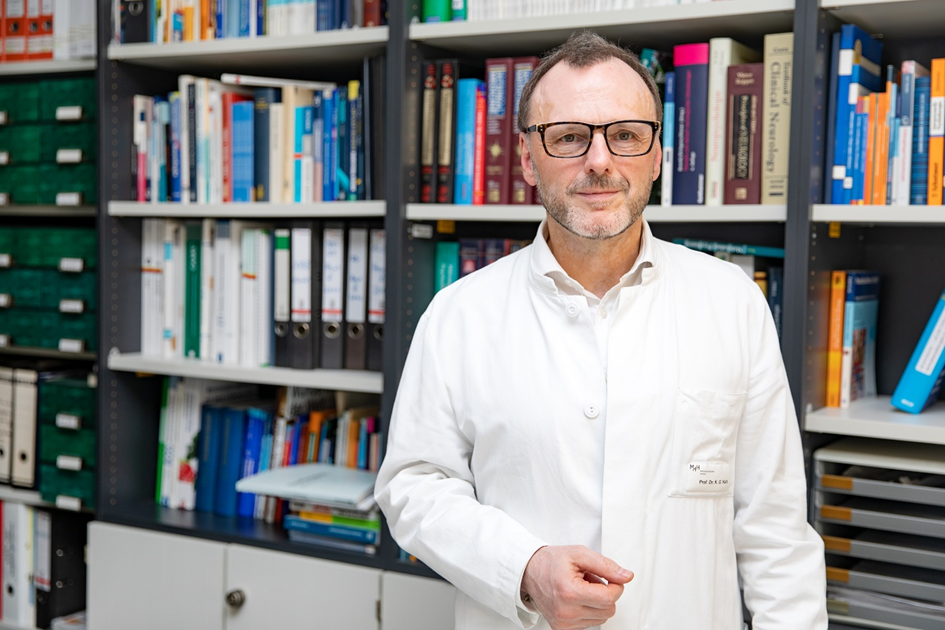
48,211
336,210
653,214
877,418
31,68
879,215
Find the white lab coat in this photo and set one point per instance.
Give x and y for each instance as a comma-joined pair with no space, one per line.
494,447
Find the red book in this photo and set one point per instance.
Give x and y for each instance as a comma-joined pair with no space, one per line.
743,134
372,12
479,148
498,130
522,192
15,30
228,99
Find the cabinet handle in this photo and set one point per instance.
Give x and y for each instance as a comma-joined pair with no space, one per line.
235,598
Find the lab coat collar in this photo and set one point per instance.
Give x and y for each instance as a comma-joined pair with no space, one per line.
548,276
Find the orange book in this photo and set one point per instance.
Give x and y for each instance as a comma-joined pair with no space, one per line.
937,132
881,150
354,429
838,285
871,106
315,420
206,23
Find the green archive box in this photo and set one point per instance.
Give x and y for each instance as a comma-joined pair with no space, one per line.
74,288
68,403
29,327
22,288
76,327
19,102
67,99
56,248
55,442
68,184
21,144
77,484
21,184
67,143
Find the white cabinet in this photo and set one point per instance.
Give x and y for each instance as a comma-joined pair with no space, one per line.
148,580
283,590
152,581
414,603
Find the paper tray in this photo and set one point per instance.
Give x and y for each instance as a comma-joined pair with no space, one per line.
894,516
916,551
892,579
882,612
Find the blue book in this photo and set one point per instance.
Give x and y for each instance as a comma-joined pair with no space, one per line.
465,140
363,444
318,143
323,15
919,384
355,155
692,106
333,154
296,429
831,117
669,140
858,76
860,132
174,99
327,177
245,18
242,121
344,145
344,14
858,362
264,98
261,18
892,122
252,452
303,138
219,29
344,532
920,142
208,457
231,459
162,119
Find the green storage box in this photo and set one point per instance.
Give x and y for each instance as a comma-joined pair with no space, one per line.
69,137
19,102
69,179
68,396
79,484
21,184
72,286
46,247
54,442
61,96
23,288
81,326
22,144
28,327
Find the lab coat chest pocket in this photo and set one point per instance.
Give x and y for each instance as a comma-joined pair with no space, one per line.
704,436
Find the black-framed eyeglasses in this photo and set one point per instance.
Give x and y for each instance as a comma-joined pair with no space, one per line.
624,138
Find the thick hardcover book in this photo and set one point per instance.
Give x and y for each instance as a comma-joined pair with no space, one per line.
498,158
209,450
448,71
919,384
723,53
372,12
342,531
479,148
669,140
522,192
692,94
714,247
937,133
743,142
233,430
858,363
428,132
776,115
911,70
919,192
446,264
264,98
465,140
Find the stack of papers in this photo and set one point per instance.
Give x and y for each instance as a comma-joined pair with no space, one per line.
325,484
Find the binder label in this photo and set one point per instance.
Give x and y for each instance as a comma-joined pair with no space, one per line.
68,503
68,199
5,260
69,112
3,118
68,462
4,199
377,277
4,341
68,421
4,158
71,265
333,274
68,156
71,306
281,304
42,572
71,345
356,304
5,300
301,275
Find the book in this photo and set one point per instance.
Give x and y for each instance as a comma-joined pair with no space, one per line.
429,113
838,287
858,362
446,264
743,134
936,133
668,138
730,248
521,192
911,70
448,72
776,116
918,189
325,484
692,75
465,140
920,382
498,154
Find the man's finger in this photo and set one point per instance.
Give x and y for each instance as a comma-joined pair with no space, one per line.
599,596
601,566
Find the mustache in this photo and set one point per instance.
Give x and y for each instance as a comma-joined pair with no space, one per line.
595,181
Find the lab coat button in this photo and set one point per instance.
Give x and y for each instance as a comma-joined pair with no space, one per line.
592,411
572,310
603,313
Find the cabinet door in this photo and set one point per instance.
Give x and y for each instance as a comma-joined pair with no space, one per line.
148,580
283,590
415,603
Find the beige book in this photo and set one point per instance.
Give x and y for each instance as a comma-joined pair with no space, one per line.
776,117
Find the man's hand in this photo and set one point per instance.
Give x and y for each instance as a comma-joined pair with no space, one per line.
567,585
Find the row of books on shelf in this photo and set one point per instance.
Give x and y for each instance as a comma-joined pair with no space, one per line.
60,30
301,294
258,139
195,20
47,431
885,143
43,567
476,10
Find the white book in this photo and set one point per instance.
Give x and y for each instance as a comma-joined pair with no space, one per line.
903,175
184,82
253,22
152,287
173,289
202,138
276,151
6,422
62,30
264,301
175,417
249,295
207,238
164,438
325,484
278,447
18,603
215,166
227,250
723,52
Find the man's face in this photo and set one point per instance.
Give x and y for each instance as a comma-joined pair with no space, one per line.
598,195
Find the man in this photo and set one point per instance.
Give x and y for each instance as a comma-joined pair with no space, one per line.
602,403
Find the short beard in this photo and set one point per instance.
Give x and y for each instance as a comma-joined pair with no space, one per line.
561,211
